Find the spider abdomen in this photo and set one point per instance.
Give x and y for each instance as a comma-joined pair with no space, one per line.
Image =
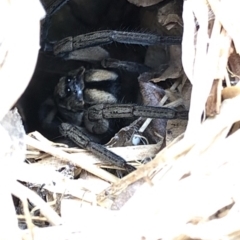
101,86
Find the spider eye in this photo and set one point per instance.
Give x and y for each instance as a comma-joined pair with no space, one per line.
68,80
68,91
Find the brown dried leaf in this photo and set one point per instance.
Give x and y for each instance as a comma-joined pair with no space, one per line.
235,127
214,99
170,17
234,65
175,69
150,92
152,95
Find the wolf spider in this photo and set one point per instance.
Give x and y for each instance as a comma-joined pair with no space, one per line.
88,100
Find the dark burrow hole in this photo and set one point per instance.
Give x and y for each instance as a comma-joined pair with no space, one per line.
79,17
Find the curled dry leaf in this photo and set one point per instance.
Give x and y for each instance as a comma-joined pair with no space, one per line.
152,95
144,3
234,65
170,16
214,99
175,69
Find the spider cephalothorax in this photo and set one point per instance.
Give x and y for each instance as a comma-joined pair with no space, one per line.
68,93
74,94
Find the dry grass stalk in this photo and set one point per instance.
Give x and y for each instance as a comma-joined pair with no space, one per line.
68,157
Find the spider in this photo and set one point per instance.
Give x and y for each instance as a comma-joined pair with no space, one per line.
88,100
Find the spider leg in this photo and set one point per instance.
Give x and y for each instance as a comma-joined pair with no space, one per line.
108,111
98,38
95,118
125,65
75,134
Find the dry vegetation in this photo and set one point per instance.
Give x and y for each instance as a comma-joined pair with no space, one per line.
190,190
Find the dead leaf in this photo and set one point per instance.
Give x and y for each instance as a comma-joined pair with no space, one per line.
234,65
175,69
214,99
170,17
152,95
